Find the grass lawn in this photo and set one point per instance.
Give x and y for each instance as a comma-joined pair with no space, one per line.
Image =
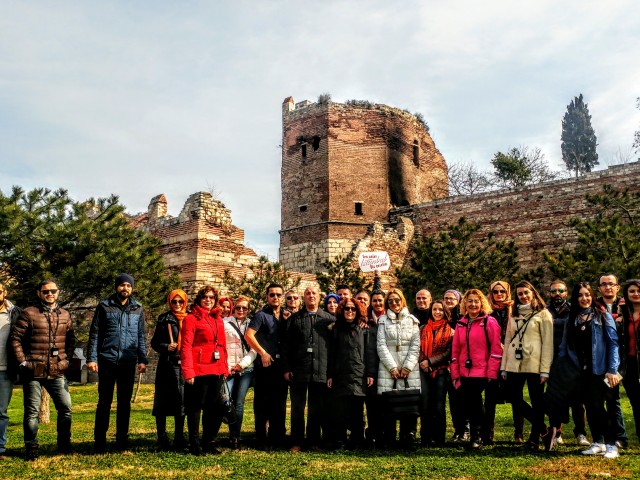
501,461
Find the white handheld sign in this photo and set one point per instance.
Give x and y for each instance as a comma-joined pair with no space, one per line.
372,261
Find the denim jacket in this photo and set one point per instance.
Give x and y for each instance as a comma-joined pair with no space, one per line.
604,344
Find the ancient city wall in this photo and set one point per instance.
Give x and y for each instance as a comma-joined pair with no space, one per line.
536,218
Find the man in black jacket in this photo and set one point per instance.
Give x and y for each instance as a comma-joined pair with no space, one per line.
305,356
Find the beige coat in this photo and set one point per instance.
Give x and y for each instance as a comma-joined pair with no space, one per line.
537,344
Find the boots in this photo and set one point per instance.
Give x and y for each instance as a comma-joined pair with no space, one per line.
31,452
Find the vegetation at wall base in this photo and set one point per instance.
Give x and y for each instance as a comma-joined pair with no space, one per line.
341,271
502,461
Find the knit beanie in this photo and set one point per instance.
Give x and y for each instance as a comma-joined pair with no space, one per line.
124,278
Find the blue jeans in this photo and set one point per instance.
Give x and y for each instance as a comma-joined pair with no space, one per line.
239,386
59,392
6,389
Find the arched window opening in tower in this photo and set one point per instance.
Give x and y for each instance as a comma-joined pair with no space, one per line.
416,153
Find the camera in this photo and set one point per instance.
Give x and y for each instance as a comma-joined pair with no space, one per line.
468,363
519,354
54,351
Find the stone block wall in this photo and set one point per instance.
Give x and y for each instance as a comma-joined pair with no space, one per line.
536,218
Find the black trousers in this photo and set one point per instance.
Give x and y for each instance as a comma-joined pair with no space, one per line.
316,414
433,423
203,396
269,404
459,412
348,415
533,413
631,385
470,392
110,374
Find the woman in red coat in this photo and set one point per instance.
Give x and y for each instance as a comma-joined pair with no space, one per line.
203,353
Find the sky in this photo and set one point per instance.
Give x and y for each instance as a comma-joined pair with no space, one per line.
149,97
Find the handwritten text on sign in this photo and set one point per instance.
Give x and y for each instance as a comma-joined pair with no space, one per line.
371,261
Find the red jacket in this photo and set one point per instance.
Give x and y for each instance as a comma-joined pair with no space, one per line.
485,362
202,335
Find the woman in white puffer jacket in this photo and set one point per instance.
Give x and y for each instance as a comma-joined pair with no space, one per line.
399,351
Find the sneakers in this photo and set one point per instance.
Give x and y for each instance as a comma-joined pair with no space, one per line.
596,449
612,452
582,441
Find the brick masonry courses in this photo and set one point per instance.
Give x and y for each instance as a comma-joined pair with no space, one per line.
334,156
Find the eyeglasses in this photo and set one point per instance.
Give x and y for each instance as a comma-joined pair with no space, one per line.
272,295
450,299
608,284
210,297
52,291
291,297
177,301
349,309
240,308
557,290
394,300
498,292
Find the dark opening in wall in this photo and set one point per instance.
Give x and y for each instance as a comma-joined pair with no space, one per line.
358,209
304,151
315,143
303,208
416,153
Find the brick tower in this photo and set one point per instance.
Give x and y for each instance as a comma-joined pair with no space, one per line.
344,166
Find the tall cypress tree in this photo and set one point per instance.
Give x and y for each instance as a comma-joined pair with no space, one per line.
579,141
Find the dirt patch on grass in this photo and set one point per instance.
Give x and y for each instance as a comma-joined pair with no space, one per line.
577,468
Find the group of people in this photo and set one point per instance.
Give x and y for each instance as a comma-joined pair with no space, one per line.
339,357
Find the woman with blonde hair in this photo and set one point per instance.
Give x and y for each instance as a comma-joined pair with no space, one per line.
476,356
398,345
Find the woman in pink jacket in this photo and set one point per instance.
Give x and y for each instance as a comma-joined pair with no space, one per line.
476,356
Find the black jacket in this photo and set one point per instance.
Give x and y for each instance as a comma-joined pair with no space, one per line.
305,346
169,392
348,355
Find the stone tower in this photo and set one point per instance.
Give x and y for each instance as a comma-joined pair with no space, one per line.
344,166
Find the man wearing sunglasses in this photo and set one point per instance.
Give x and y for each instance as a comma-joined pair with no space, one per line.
117,347
43,341
559,308
269,389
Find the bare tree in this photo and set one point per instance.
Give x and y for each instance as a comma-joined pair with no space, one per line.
466,179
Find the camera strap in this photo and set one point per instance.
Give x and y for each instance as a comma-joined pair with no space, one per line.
523,329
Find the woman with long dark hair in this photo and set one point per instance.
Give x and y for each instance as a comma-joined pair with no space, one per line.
590,350
630,346
527,357
436,337
203,354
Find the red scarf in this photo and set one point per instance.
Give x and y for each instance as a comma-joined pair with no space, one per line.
434,340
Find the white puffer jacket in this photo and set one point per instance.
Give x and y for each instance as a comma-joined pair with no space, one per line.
398,347
236,353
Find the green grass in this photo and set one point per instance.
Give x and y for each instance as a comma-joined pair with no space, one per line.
502,461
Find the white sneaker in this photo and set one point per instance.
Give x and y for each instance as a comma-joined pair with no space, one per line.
582,441
612,452
595,449
559,440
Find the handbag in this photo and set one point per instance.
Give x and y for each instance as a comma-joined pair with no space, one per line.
402,402
229,415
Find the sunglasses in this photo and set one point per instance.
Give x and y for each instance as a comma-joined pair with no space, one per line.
210,297
292,297
557,290
350,309
177,301
498,292
53,291
272,295
240,308
394,300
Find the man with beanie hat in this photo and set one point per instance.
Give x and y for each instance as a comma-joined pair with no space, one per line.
117,347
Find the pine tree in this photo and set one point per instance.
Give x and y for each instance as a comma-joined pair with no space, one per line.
458,258
607,242
579,140
340,271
